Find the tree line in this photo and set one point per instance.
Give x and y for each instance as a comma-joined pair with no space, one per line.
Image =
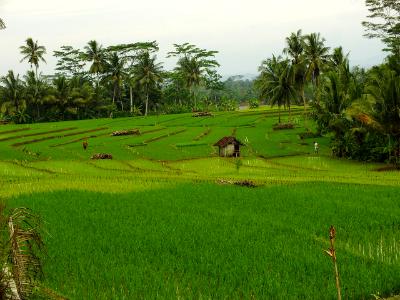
358,108
118,80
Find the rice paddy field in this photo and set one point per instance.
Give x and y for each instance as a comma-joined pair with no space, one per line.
164,220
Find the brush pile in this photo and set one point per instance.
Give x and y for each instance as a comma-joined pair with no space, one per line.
308,135
245,183
101,156
202,114
126,132
283,126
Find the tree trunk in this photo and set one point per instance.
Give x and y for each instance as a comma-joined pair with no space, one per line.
317,90
279,114
113,100
147,103
305,106
38,109
147,100
131,98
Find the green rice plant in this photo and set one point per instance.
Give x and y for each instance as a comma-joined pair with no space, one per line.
35,134
214,241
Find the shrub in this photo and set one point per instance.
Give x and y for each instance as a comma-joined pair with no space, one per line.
254,103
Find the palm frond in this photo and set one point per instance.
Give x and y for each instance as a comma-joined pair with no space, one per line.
25,243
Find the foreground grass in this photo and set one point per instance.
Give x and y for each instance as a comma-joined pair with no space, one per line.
210,241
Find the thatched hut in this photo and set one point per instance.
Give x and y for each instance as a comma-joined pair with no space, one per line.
228,146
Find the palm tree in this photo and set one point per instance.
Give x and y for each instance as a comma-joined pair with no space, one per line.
114,67
33,53
95,53
317,56
276,82
20,245
36,90
384,87
12,90
193,65
338,58
295,50
2,24
148,74
192,74
61,93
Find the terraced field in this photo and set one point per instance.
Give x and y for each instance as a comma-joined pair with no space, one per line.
164,219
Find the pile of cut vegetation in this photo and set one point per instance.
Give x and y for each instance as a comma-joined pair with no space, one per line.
203,114
245,183
283,126
308,135
101,156
126,132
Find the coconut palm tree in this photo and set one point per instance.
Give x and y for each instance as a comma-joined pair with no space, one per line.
193,65
115,69
317,55
148,74
295,50
338,58
20,245
192,73
61,92
33,53
12,91
36,91
276,82
95,54
384,87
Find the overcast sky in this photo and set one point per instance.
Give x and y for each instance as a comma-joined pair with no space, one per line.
243,31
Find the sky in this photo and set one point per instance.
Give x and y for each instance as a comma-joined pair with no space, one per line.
243,31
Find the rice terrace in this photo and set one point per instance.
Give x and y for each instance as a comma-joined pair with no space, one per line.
143,166
163,219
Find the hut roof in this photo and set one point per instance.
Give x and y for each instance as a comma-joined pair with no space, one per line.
227,140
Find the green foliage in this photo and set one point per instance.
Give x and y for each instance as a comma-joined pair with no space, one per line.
254,103
33,53
385,23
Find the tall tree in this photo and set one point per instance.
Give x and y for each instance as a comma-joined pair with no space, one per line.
276,82
36,93
129,53
317,55
384,87
70,61
295,50
33,53
193,65
148,73
95,54
114,68
12,93
338,58
385,23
